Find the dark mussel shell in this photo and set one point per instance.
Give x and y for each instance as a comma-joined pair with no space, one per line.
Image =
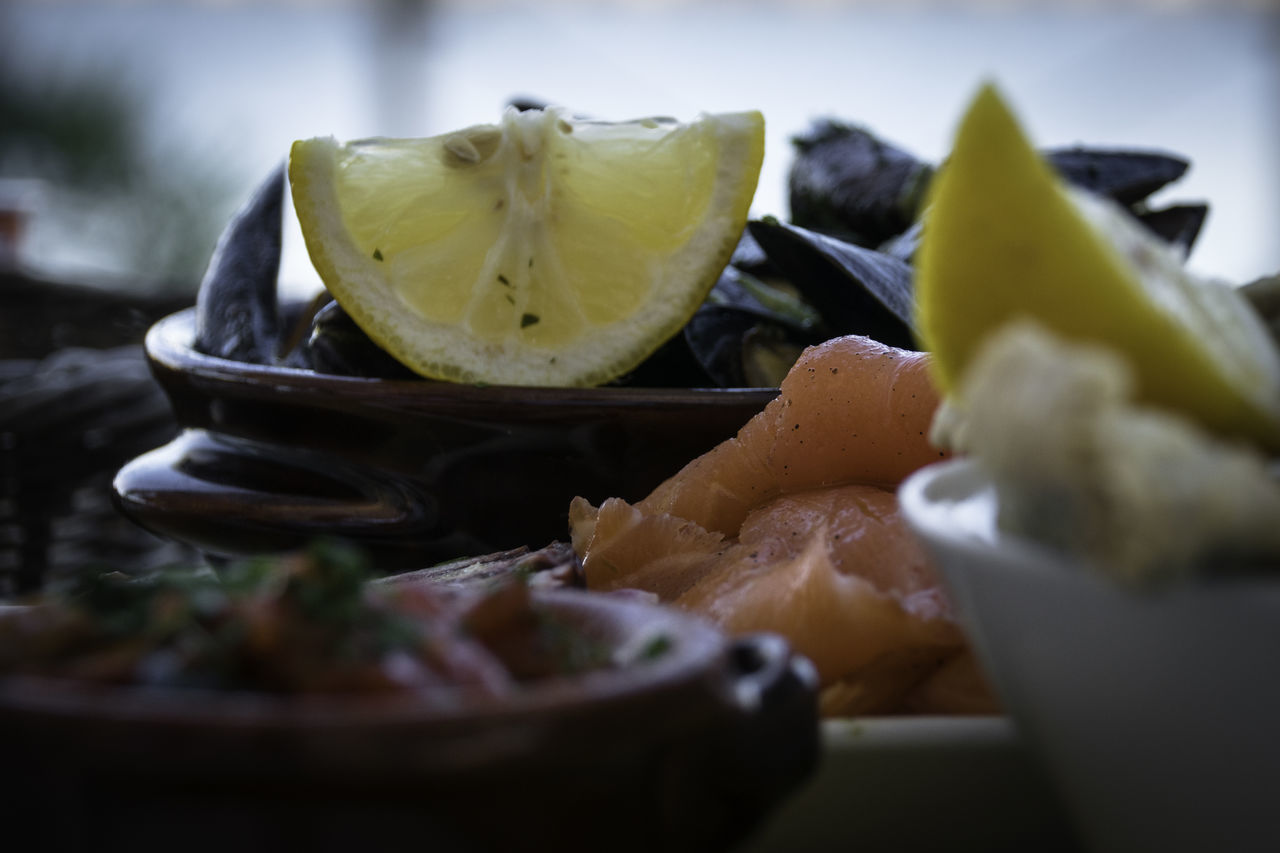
1264,295
746,291
337,345
1128,177
1178,224
857,291
848,182
903,247
749,258
739,348
748,333
236,311
672,365
737,338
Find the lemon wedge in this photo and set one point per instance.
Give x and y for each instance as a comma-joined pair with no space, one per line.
542,250
1004,238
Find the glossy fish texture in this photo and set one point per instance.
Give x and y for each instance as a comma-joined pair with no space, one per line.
236,311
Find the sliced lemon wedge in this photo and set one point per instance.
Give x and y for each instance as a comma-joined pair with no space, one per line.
1005,239
542,250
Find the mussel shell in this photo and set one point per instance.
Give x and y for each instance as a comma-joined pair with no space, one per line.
848,182
748,257
337,345
1264,295
672,365
857,291
904,246
1178,224
766,300
740,348
1128,176
735,339
236,311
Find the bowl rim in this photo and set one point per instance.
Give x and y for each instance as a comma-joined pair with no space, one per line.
169,347
952,504
699,647
931,499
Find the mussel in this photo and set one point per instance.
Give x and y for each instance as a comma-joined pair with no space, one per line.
236,311
841,266
746,334
848,183
1264,295
1127,176
854,289
335,344
1178,224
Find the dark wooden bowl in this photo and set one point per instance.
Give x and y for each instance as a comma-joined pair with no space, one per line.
416,471
685,752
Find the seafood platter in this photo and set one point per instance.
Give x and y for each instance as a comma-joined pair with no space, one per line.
748,593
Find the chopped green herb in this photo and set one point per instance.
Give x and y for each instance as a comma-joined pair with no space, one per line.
377,254
527,320
656,647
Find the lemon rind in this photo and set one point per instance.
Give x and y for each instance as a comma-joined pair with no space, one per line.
444,351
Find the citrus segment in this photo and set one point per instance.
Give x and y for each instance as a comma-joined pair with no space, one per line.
543,250
1005,239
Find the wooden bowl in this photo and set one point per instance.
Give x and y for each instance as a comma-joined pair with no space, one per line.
415,471
684,752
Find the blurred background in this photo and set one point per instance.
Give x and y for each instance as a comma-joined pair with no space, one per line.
129,131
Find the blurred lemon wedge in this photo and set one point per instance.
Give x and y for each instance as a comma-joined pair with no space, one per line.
1004,239
542,250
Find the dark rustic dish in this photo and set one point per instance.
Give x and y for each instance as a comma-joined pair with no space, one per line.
412,470
686,751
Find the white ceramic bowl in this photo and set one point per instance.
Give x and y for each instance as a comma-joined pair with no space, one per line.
1156,713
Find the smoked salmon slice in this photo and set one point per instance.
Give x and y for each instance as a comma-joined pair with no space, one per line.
793,526
851,410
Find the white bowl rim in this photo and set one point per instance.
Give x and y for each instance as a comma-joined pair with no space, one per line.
953,504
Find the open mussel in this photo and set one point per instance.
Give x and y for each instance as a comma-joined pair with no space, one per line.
854,289
848,182
239,315
747,334
236,310
1264,295
1128,177
335,344
740,349
1178,224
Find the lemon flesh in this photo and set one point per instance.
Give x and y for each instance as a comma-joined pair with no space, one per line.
542,250
1005,239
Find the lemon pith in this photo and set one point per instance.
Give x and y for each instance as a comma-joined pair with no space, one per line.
542,250
1005,239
